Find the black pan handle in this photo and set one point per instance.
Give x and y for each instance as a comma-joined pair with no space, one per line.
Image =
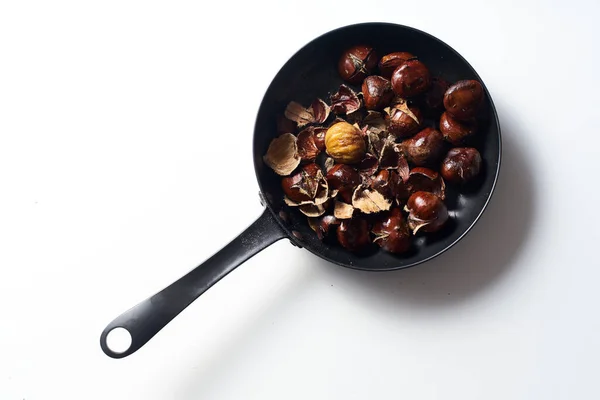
151,315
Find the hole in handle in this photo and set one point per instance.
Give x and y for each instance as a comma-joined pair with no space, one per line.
118,340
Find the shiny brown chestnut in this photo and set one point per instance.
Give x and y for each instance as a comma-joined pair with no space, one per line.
391,232
377,92
456,131
463,99
411,79
427,212
390,62
356,63
433,99
401,123
303,185
461,165
325,226
423,148
381,183
353,234
344,178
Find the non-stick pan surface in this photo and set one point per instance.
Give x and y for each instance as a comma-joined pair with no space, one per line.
312,73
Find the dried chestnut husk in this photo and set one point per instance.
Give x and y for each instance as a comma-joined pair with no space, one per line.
426,180
353,234
461,165
345,101
403,120
370,201
356,63
377,92
374,122
456,131
343,210
368,166
302,186
411,79
282,155
391,232
423,148
399,188
381,183
427,212
307,146
463,99
389,62
324,226
345,179
433,99
345,143
317,113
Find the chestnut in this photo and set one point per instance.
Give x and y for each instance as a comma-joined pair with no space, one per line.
323,226
303,185
356,63
456,131
353,234
381,183
391,232
345,143
410,79
390,62
424,147
404,121
344,178
423,179
427,212
433,99
463,99
461,165
377,92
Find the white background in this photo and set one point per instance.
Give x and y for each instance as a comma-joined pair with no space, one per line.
120,120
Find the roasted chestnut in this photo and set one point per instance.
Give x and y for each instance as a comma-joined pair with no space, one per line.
456,131
324,226
377,92
423,179
433,99
410,79
391,233
423,148
461,165
463,99
427,212
353,234
303,185
345,143
344,178
390,62
403,120
356,63
381,183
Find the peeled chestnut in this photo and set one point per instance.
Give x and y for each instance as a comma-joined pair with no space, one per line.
461,165
356,63
345,143
423,148
463,99
390,62
345,179
303,185
410,79
353,234
404,121
433,100
377,92
456,131
427,212
391,233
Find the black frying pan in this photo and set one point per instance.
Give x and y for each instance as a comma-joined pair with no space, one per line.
312,73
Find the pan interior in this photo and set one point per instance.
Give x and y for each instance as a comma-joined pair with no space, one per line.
312,72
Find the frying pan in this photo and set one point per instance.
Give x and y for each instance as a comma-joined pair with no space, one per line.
309,74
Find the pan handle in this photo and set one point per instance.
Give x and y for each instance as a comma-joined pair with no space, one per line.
151,315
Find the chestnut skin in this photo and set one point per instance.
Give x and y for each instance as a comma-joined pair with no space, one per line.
381,183
377,92
423,148
391,233
390,62
353,234
427,212
456,131
345,179
306,177
411,79
356,63
433,99
403,125
461,165
463,99
423,179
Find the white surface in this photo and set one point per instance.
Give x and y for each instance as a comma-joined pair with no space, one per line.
117,117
